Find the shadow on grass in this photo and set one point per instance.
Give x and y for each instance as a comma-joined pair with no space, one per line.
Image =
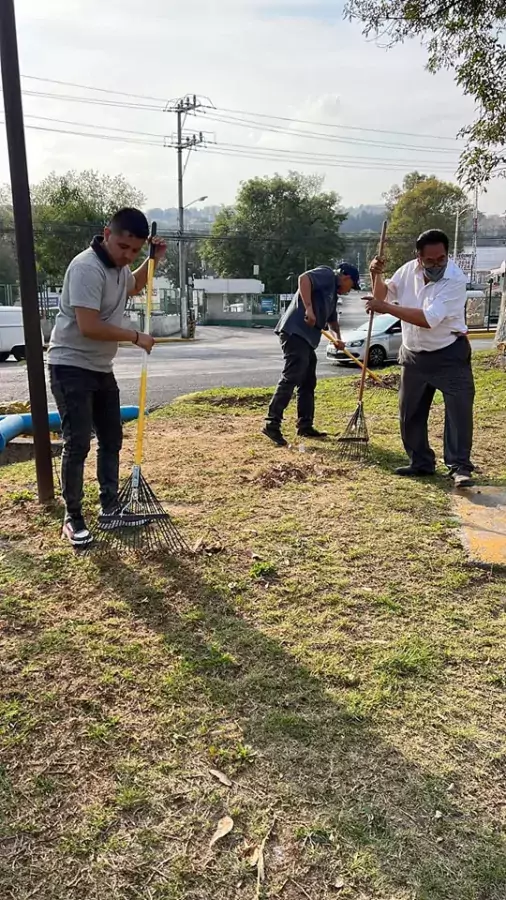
398,824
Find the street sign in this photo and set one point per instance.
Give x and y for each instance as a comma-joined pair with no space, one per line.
465,262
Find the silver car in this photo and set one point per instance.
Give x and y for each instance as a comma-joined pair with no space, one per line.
385,342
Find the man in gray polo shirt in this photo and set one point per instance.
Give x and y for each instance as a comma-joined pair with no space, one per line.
89,325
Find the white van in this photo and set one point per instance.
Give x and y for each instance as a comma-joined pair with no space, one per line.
12,335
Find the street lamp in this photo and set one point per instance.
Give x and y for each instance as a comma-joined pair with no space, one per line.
198,200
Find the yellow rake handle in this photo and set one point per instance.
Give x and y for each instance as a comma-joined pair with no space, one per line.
144,374
354,359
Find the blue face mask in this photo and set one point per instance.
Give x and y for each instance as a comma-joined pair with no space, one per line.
434,273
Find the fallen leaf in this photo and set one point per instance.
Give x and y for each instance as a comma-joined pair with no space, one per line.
438,814
338,884
198,546
221,777
253,860
223,828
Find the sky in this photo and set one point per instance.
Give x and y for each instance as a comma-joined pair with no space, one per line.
335,92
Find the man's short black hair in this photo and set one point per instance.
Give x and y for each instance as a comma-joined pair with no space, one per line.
432,236
132,220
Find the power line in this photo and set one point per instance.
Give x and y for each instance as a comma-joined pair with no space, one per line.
332,125
88,87
242,112
314,161
242,123
317,135
275,152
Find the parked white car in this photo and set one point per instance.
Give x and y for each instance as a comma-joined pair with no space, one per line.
12,335
385,342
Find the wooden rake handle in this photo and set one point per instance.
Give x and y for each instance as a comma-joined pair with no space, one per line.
381,248
354,359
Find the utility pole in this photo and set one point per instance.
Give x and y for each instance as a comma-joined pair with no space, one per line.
183,296
25,248
475,234
182,107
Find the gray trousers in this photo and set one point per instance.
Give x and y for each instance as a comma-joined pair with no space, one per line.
449,371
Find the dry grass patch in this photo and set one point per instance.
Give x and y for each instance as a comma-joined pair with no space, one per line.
339,662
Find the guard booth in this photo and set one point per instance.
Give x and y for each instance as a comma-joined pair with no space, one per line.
236,302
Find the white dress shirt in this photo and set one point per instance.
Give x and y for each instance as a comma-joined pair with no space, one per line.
443,303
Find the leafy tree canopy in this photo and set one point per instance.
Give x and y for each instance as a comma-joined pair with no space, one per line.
430,203
68,209
282,224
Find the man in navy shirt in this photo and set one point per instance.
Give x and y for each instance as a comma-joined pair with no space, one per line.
313,307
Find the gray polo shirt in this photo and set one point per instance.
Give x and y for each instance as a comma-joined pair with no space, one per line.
91,281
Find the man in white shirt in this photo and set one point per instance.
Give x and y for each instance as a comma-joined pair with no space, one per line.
428,295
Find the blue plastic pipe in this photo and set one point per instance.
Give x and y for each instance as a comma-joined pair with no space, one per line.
13,426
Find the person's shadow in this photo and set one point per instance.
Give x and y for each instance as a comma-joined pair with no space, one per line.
357,796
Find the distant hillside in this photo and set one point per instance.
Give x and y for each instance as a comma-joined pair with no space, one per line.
194,218
363,218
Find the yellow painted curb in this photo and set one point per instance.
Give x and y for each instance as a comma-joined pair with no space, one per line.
165,340
477,335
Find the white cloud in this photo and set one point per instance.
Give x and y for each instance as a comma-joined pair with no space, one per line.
291,58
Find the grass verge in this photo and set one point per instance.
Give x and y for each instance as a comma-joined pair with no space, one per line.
330,655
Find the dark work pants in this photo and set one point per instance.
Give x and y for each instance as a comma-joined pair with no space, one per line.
87,401
449,371
299,371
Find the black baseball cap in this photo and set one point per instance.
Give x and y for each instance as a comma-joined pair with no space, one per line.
352,272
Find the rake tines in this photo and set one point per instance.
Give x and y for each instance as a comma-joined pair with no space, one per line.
354,443
141,523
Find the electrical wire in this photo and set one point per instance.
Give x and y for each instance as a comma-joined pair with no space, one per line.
242,112
238,150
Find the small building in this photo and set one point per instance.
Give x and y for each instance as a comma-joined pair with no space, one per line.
234,301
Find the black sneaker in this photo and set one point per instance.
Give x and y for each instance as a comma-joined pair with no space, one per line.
311,432
409,472
75,530
115,517
275,435
462,479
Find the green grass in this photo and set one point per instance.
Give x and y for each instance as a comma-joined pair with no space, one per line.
336,656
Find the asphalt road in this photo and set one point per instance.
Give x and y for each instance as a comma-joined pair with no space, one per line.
221,357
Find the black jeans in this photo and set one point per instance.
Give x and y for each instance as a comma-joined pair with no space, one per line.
449,371
87,401
299,371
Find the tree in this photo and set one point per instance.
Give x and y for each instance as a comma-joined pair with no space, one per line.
283,225
468,37
431,203
169,267
8,259
395,193
68,209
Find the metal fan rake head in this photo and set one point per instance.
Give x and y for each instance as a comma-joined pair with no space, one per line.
141,524
354,442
